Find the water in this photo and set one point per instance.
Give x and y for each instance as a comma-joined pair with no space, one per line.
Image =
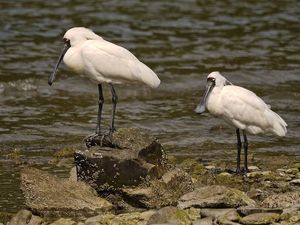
255,44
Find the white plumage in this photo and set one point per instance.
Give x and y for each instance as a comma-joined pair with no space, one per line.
239,107
101,61
104,62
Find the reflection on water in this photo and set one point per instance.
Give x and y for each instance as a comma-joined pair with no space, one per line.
254,44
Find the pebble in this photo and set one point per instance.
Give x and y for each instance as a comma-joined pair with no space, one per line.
253,168
295,182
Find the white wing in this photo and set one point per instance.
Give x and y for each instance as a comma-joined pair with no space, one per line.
247,111
115,63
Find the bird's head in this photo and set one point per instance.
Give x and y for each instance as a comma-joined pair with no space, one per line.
72,38
214,79
77,35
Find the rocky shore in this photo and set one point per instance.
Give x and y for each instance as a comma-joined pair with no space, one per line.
155,190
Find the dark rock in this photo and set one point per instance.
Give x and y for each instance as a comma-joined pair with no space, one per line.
246,210
282,200
51,196
137,157
158,193
215,196
260,219
174,216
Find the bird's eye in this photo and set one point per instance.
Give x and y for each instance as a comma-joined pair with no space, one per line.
211,79
66,40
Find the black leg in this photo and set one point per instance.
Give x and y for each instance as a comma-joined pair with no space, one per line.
114,101
239,147
245,151
100,106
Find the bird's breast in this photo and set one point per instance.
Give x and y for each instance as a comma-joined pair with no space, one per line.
213,103
73,60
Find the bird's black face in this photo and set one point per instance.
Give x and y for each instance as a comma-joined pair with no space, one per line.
67,45
211,82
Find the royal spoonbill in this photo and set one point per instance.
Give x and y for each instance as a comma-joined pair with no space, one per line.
242,109
101,61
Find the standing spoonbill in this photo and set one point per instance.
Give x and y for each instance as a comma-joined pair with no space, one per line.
101,61
240,108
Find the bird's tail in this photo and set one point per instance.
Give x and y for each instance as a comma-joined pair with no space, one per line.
148,76
279,125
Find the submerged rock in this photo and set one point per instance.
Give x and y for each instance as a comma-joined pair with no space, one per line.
136,157
215,196
52,196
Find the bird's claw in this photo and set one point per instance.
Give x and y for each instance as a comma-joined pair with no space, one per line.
242,172
102,140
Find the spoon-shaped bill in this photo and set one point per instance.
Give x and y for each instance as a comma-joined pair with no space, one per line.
202,105
63,52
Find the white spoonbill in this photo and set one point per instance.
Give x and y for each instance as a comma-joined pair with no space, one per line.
240,108
101,61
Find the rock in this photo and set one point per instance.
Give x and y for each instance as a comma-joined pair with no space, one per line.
210,167
258,174
292,217
283,200
292,171
295,182
246,210
64,221
215,196
174,216
159,193
55,197
137,156
35,220
260,218
253,168
204,221
226,174
215,213
135,218
23,217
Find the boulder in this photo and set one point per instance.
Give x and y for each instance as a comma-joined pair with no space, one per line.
135,157
51,196
260,219
215,196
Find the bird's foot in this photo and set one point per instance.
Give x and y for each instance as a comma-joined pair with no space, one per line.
103,140
242,172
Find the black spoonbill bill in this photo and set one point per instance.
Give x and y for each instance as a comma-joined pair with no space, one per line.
101,61
242,109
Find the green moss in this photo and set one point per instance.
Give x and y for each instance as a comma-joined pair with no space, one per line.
65,152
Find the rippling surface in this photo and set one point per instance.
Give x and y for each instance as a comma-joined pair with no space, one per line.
254,44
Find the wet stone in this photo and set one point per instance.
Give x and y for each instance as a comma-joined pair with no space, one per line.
137,157
23,217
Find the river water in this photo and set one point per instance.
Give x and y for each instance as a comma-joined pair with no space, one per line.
254,44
